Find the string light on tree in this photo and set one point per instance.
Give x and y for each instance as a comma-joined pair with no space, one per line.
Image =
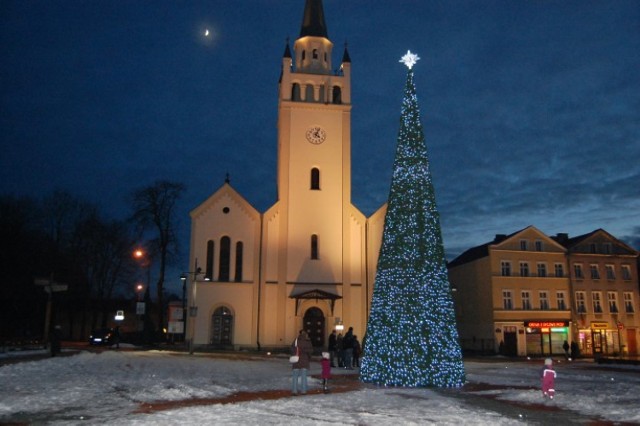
412,339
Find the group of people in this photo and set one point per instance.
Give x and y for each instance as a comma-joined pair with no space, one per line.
301,350
345,350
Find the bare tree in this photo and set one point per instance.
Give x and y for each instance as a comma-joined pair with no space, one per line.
154,210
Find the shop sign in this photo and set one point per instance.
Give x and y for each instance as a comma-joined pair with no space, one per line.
599,325
546,324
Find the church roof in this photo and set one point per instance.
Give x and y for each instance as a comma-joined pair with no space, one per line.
313,23
345,57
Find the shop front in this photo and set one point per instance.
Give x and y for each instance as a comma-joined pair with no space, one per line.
601,338
546,337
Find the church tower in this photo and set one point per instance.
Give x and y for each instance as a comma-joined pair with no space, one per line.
306,262
317,253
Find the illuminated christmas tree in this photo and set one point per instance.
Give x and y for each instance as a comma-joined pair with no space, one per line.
412,339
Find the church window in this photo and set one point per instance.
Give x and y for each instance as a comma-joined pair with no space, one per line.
239,247
314,246
308,96
315,53
208,275
337,95
315,178
304,55
225,259
295,92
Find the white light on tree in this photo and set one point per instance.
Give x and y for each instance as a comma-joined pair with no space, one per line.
409,59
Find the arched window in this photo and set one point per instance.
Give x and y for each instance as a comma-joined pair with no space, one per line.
314,246
337,95
208,274
225,259
315,178
304,55
308,96
295,92
315,53
239,261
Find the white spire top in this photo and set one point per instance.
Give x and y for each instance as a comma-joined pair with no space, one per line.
409,59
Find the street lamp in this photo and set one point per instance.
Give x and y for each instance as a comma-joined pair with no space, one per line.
193,308
142,309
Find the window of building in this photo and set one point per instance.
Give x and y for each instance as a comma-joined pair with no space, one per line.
542,269
315,53
612,298
507,299
593,248
208,272
544,300
606,248
577,271
597,302
295,92
524,269
314,246
628,302
239,249
337,95
225,259
611,274
581,304
526,300
595,273
626,272
308,93
561,301
538,245
315,178
523,245
506,268
559,270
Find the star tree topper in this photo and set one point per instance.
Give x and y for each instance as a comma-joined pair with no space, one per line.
409,59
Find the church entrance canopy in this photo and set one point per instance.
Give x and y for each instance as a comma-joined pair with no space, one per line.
316,294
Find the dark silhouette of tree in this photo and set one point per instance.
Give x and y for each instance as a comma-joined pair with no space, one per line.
154,210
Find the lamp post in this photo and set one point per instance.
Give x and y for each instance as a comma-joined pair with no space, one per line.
142,309
183,278
193,308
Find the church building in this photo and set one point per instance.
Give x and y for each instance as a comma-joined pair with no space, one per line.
308,262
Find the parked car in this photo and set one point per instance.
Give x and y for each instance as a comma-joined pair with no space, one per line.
103,336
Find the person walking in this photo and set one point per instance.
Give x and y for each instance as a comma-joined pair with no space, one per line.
326,371
357,352
302,346
565,346
347,347
333,341
548,379
339,350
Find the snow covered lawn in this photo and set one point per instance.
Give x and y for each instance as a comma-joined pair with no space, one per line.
113,387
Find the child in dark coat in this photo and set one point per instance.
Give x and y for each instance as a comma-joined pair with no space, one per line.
326,371
548,379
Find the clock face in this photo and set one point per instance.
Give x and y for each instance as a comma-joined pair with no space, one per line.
316,135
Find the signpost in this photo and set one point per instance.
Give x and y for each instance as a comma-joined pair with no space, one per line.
50,287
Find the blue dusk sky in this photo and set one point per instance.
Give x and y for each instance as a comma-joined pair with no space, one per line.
530,108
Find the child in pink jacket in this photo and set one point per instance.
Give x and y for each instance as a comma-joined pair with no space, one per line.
326,371
548,379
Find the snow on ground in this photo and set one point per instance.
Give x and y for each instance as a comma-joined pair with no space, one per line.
109,388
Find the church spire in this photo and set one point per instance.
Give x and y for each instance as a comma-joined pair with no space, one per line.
313,20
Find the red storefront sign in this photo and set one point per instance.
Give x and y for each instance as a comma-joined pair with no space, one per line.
546,324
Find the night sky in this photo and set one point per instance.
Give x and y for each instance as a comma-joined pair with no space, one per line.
531,109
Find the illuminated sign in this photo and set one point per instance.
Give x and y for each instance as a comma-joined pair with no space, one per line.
599,325
546,324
